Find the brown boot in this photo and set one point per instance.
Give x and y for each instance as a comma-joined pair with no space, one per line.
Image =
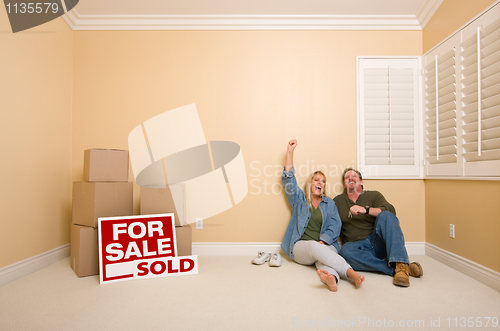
401,274
416,269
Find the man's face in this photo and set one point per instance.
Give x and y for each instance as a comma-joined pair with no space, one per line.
352,182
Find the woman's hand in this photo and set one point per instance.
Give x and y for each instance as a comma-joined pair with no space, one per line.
291,145
289,154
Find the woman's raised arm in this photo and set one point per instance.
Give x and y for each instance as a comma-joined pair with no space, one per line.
289,154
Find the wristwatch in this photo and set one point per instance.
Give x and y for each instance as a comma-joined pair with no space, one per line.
367,209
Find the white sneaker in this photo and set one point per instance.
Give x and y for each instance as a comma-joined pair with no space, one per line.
275,260
261,258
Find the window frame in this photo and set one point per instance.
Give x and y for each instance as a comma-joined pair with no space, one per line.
396,171
461,169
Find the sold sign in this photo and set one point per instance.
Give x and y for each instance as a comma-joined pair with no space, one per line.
145,246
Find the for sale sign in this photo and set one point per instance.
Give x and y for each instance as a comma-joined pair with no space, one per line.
145,246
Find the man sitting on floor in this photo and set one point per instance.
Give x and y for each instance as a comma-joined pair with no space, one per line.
372,236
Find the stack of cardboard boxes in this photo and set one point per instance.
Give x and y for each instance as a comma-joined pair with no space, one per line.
106,192
170,200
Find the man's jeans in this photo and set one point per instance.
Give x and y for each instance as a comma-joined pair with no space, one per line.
386,244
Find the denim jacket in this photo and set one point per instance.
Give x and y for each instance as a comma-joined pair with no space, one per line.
330,230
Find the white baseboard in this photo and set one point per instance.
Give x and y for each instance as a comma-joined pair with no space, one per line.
32,264
233,248
470,268
251,249
415,247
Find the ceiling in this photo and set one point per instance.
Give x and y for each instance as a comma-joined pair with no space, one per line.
255,14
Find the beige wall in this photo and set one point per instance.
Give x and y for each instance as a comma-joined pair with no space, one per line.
408,197
35,139
256,88
470,205
451,16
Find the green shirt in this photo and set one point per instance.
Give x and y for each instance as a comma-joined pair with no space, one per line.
358,227
314,226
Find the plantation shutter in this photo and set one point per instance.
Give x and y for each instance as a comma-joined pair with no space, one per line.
388,134
462,101
440,114
481,100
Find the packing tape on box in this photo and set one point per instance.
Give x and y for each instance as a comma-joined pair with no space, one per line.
173,145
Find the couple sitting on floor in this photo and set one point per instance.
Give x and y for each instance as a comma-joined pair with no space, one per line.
371,234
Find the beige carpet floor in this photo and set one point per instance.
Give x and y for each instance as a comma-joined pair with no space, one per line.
230,293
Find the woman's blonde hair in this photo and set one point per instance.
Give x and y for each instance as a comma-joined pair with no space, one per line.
307,187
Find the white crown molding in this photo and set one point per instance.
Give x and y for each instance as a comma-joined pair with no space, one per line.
80,22
428,10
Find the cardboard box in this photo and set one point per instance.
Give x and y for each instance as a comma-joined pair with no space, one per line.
164,200
184,237
84,250
105,165
94,200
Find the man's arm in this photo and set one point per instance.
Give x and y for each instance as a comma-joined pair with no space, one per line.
377,204
373,211
381,202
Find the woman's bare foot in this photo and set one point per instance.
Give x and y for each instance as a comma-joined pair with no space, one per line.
328,279
357,278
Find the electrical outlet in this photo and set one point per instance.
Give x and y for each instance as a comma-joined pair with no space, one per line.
452,231
199,223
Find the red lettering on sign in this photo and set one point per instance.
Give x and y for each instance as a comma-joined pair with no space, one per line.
162,267
140,247
171,270
183,265
143,269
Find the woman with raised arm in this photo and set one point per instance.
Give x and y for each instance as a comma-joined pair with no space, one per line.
311,236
